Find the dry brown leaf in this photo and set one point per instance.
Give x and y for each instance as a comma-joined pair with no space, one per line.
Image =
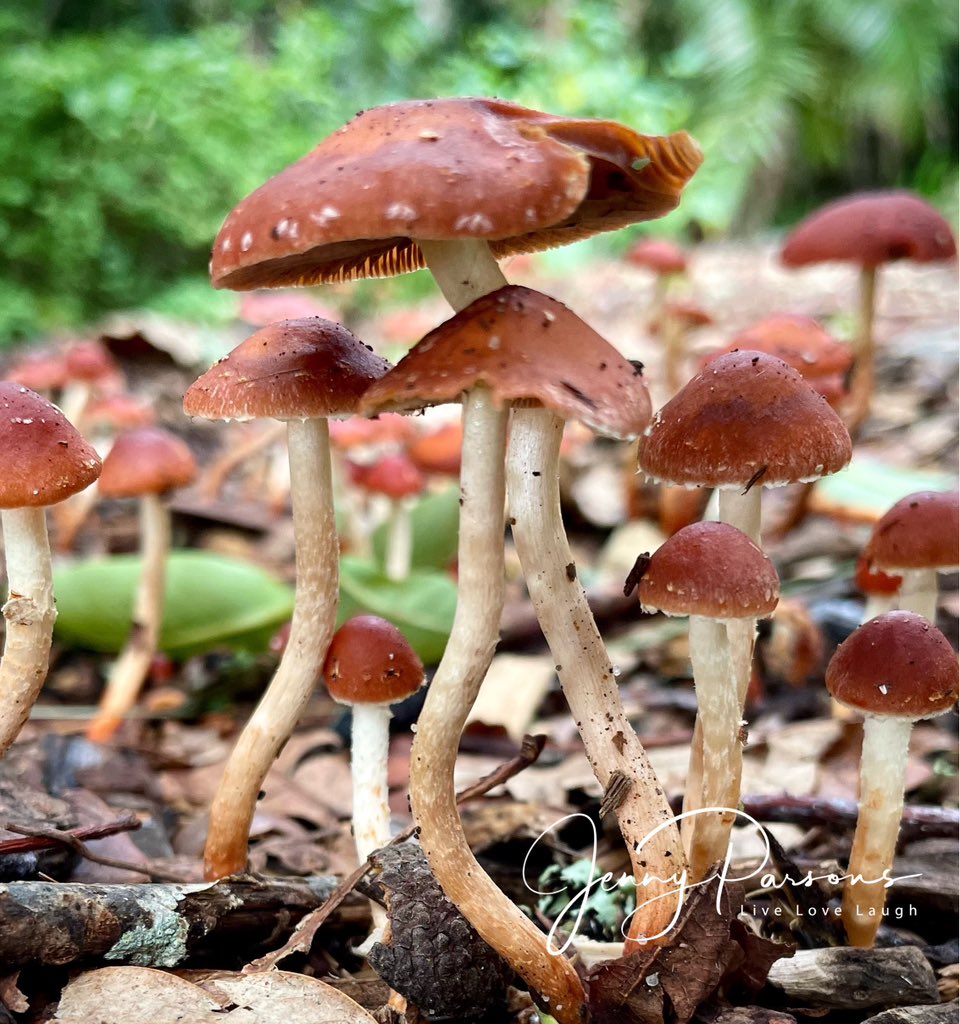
512,691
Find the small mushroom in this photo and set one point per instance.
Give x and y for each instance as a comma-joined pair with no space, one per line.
146,464
45,461
894,669
400,481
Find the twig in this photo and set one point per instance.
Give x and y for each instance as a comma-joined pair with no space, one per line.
302,938
72,842
44,842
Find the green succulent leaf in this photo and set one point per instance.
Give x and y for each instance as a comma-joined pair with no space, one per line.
211,601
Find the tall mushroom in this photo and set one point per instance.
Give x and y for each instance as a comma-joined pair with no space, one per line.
45,461
715,574
455,184
146,463
301,371
894,669
526,348
869,229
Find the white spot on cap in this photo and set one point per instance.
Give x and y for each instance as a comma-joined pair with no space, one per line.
473,223
400,211
226,244
883,688
429,134
282,227
246,242
324,216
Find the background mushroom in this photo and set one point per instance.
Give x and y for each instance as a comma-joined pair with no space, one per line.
894,669
145,464
45,461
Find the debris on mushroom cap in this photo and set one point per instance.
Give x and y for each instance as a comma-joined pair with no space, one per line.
445,169
294,369
871,228
799,341
658,254
896,664
371,662
747,418
710,569
396,476
147,460
521,344
921,531
44,456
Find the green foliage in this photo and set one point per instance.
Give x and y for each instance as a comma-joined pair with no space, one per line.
605,908
210,601
435,520
421,606
130,129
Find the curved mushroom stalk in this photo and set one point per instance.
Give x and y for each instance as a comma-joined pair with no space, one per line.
314,619
30,613
583,666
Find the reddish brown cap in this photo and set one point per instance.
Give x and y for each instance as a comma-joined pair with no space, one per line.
745,417
438,451
798,340
921,531
45,459
393,475
659,255
39,371
873,581
896,664
446,169
118,412
871,228
91,361
371,662
146,461
710,569
357,432
294,369
521,344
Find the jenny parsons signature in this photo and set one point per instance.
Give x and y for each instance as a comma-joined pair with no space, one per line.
571,915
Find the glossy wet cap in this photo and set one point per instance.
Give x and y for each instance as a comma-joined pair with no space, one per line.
146,461
521,344
293,369
747,417
441,169
921,531
896,664
871,228
45,459
371,662
710,569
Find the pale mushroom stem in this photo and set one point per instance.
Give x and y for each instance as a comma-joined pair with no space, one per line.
29,612
861,383
918,592
369,754
399,547
314,620
883,767
718,716
465,271
584,669
130,670
742,510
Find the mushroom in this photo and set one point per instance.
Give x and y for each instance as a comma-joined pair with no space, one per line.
45,461
917,538
869,229
455,184
301,371
91,370
146,463
369,666
673,324
894,669
666,260
400,481
529,349
715,574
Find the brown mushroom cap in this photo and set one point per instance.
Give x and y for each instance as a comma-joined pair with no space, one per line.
396,476
45,459
146,461
921,531
659,255
521,344
745,417
710,569
39,371
446,169
370,662
90,361
871,228
798,340
294,369
896,664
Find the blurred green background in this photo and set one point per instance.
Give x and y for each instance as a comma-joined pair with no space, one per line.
131,127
